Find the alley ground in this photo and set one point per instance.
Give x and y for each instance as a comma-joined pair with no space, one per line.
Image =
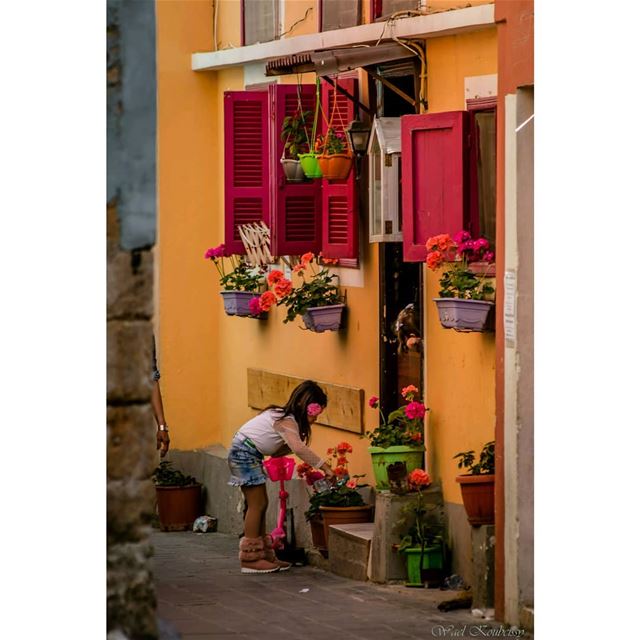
202,595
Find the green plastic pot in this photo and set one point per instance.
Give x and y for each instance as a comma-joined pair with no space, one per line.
310,166
381,458
431,559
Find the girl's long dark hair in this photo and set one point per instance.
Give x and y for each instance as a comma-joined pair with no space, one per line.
302,396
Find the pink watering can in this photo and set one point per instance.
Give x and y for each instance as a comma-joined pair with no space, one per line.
280,469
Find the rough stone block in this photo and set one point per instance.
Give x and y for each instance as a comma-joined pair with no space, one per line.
130,508
349,548
130,285
387,564
129,361
483,543
131,599
131,442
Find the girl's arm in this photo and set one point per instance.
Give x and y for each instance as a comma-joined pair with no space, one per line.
288,429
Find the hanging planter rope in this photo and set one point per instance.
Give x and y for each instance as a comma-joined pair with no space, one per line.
335,166
309,161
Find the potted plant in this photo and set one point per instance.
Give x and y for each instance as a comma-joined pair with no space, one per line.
421,530
178,497
241,285
335,158
316,299
398,438
464,302
295,142
477,486
340,503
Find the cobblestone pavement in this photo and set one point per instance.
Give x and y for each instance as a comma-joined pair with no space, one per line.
202,595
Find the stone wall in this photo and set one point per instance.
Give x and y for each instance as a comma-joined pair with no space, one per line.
131,453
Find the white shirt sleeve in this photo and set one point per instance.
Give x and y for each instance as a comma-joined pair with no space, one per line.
288,429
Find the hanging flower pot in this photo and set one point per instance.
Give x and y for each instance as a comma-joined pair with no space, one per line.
335,166
293,170
238,303
320,319
310,166
463,315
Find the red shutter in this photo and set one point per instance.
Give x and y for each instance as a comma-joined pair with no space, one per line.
296,223
434,170
246,153
340,197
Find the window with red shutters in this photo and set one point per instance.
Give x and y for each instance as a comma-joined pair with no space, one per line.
296,221
434,178
246,177
340,197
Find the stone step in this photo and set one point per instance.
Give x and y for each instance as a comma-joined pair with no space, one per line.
349,549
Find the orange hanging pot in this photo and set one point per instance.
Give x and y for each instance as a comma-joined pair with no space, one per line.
336,166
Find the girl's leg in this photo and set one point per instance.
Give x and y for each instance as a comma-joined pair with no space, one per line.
257,501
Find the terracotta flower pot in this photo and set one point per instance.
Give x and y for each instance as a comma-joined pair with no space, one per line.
336,166
478,497
344,515
178,507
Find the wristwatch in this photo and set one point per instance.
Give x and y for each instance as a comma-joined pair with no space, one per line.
163,427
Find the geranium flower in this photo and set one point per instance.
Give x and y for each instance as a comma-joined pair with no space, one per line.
419,478
373,402
481,244
216,252
488,256
330,451
340,471
466,247
414,410
267,300
344,447
352,484
461,236
416,437
306,258
254,306
303,468
434,259
275,276
314,409
314,476
327,260
283,288
299,268
411,389
341,460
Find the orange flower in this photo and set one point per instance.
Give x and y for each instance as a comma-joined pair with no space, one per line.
299,268
327,260
267,300
283,288
275,276
341,460
352,484
340,471
306,258
410,389
344,447
329,451
434,260
419,478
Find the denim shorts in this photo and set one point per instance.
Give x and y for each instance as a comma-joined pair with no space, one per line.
245,463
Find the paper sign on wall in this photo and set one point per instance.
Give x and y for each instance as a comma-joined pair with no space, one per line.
510,307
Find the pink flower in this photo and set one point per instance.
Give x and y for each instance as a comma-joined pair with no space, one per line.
215,252
254,306
461,236
314,409
466,247
373,402
267,300
352,484
275,276
488,256
414,410
481,244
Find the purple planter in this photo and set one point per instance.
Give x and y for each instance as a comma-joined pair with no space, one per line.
463,315
236,303
321,319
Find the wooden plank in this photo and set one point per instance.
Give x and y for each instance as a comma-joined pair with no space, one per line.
344,406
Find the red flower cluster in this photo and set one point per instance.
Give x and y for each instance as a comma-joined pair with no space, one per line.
267,300
419,478
310,474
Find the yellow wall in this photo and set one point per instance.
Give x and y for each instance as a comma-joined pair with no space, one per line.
460,367
203,353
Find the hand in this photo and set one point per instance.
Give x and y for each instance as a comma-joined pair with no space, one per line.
328,473
162,442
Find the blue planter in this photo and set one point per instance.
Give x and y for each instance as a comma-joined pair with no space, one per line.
236,303
463,315
326,318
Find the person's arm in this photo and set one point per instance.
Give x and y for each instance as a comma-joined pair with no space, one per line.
162,434
288,429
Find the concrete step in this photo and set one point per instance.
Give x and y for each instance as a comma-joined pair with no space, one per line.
350,549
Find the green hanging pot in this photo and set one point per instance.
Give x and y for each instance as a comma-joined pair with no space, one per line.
310,166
